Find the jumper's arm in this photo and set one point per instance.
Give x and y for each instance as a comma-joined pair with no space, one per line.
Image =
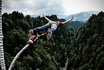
67,21
47,18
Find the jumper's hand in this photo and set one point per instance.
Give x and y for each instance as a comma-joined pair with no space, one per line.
31,39
43,15
30,42
72,18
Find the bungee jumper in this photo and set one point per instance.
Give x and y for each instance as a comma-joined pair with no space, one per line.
51,26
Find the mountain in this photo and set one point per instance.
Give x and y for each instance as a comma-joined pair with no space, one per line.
86,51
82,16
81,49
80,19
76,24
42,54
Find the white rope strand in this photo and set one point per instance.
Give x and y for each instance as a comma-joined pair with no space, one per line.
15,58
2,60
12,64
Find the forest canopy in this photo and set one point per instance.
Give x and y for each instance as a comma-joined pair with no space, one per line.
82,49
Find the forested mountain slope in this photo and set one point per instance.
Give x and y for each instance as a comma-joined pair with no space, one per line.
84,48
43,54
86,51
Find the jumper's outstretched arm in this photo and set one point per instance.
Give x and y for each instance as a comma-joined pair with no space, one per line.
67,21
47,18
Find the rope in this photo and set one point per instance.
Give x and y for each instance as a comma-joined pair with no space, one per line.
11,66
15,58
2,60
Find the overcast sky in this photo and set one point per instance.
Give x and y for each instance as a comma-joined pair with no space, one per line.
49,7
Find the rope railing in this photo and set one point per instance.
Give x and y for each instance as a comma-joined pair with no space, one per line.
2,60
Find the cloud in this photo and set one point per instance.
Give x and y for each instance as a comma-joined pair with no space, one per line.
76,6
33,7
49,7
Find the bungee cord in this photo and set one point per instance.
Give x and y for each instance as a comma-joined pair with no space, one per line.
18,54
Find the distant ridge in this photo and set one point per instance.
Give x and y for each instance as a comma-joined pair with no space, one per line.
82,16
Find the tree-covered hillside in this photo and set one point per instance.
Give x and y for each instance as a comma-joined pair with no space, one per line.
82,49
86,51
43,54
76,24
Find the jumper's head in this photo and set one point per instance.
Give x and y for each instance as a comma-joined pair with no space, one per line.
31,31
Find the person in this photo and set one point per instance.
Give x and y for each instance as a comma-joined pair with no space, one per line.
51,26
